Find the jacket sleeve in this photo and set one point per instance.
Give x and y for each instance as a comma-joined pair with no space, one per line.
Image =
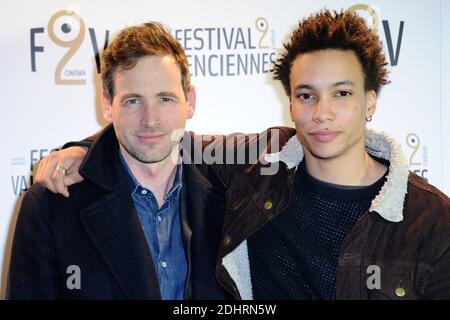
86,142
32,271
243,153
438,286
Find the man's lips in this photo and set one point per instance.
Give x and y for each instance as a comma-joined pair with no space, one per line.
324,136
150,137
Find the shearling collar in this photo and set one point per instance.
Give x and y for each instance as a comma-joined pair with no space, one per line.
389,202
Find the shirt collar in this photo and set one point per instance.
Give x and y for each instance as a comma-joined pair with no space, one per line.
134,185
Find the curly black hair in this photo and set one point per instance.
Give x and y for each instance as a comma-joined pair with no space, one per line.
343,30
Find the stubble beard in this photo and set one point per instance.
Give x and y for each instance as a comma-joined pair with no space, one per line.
148,154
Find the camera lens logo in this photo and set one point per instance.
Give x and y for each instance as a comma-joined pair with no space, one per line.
373,20
62,25
413,141
66,29
375,23
262,25
418,167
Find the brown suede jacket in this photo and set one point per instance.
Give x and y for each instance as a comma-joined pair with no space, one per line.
403,239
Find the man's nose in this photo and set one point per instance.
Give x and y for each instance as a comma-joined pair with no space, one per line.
324,111
151,115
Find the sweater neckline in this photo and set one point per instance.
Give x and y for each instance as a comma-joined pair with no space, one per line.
335,191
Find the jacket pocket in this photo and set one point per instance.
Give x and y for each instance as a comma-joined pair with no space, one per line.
402,280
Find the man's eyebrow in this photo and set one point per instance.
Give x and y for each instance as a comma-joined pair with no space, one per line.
304,86
336,84
167,94
130,95
344,82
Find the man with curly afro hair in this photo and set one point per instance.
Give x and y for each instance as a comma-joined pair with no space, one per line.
350,222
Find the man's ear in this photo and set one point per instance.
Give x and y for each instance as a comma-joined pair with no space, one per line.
290,111
106,107
191,100
371,103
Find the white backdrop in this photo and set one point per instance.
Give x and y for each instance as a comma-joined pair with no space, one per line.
230,45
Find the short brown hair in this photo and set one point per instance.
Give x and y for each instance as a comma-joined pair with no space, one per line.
335,30
132,43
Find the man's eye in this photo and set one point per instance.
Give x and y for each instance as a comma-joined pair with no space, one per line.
132,101
343,93
165,99
305,96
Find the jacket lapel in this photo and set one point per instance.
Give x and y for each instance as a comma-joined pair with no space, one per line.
186,232
204,206
114,228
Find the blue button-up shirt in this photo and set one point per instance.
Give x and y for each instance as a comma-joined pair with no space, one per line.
162,230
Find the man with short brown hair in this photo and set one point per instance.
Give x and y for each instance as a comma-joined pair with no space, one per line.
127,230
